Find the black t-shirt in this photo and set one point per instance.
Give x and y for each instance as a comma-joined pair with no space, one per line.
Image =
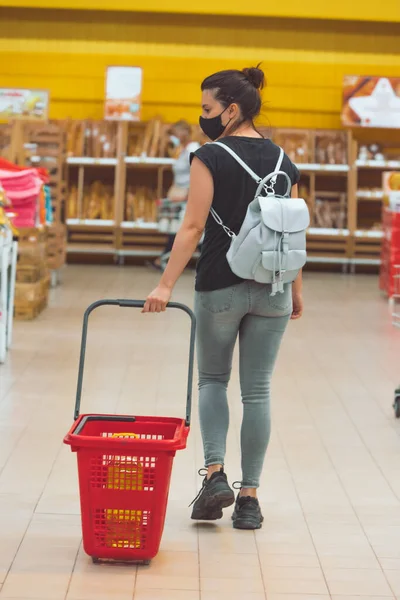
234,189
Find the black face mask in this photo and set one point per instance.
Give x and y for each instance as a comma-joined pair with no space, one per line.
213,127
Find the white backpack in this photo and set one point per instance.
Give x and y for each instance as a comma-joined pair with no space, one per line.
271,244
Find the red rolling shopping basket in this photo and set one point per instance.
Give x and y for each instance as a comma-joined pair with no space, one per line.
124,466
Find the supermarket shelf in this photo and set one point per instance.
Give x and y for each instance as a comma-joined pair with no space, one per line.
90,249
359,233
91,222
139,225
365,261
314,167
378,164
148,161
370,194
334,260
328,231
89,161
139,253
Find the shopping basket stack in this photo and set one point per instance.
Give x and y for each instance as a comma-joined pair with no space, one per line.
124,466
390,253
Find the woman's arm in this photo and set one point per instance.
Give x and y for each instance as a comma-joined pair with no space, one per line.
297,285
200,197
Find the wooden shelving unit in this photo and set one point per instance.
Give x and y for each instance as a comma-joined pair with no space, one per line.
39,144
372,152
125,231
344,202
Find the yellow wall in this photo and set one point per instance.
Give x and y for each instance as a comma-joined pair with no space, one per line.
305,60
363,10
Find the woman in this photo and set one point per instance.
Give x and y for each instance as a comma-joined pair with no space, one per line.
173,207
227,307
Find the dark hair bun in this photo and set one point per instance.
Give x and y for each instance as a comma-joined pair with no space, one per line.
255,76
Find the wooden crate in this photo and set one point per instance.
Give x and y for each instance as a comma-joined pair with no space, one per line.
32,235
33,254
30,293
28,312
30,273
31,298
57,259
56,246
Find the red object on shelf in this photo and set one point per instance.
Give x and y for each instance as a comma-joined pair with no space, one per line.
24,189
9,166
390,254
124,482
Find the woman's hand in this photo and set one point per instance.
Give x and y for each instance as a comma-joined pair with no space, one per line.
158,299
297,307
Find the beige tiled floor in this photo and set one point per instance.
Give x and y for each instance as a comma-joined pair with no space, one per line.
331,484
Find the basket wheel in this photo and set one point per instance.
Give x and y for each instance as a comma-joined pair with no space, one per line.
396,407
146,563
95,560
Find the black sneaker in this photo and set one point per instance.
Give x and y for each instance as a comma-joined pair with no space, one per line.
247,513
214,495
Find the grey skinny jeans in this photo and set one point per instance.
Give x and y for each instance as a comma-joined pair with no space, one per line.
260,319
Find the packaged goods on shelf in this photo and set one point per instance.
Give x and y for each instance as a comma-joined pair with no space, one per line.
135,139
97,139
330,147
377,152
75,131
296,142
330,212
149,139
98,201
72,203
140,205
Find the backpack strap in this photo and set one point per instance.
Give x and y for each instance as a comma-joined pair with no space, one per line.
247,168
239,160
278,165
256,178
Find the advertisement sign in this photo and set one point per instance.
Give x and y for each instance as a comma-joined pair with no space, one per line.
24,104
371,102
123,93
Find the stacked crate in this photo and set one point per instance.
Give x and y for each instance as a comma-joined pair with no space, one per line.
45,146
32,280
390,253
56,246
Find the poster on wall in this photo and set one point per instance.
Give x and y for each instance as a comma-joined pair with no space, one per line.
18,103
123,93
371,102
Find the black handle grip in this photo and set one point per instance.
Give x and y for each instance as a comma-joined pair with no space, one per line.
123,303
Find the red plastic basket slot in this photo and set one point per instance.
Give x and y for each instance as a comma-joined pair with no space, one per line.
124,483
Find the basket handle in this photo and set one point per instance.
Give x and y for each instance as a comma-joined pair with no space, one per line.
135,304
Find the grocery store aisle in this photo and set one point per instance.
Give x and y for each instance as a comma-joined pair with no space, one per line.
331,484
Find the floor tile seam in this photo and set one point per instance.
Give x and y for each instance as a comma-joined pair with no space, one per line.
345,493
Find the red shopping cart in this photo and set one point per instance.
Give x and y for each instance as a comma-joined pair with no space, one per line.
124,467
